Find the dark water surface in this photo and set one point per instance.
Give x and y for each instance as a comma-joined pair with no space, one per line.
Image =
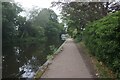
23,60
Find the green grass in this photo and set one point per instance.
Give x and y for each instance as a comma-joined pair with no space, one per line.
39,74
101,69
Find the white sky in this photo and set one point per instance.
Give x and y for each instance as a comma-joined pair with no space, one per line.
28,4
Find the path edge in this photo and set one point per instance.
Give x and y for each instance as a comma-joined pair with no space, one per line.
87,60
44,67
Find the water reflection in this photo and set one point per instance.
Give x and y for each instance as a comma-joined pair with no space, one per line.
22,60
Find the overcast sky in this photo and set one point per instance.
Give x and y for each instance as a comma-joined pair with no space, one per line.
28,4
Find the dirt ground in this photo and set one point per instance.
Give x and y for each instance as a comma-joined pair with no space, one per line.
70,63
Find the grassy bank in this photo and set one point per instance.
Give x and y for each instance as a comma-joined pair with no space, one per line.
102,71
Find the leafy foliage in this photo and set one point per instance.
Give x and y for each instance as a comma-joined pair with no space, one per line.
9,17
102,38
78,14
24,38
42,26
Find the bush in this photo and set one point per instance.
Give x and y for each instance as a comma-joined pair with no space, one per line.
102,37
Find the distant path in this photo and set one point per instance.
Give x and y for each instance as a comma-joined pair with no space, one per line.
68,64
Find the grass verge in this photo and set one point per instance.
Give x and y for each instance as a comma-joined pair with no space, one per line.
102,71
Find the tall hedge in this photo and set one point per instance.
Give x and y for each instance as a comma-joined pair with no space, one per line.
102,37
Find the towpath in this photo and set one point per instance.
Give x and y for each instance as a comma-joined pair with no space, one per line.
68,64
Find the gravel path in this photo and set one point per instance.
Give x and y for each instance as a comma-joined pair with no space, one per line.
68,64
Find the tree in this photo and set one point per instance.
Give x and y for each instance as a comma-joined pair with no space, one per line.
79,14
47,20
10,12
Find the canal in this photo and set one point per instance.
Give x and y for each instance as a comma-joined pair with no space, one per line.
23,60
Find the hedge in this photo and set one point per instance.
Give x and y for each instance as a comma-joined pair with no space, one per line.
102,37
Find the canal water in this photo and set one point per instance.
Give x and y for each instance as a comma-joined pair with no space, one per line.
23,60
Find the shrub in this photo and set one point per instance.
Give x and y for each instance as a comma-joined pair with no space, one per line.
102,37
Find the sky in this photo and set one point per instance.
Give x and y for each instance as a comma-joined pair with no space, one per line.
28,4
